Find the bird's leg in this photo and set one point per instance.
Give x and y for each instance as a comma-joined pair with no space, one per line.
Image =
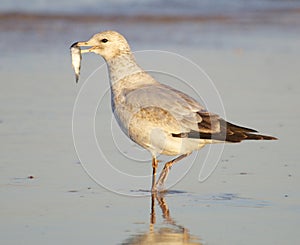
154,167
164,173
153,216
164,207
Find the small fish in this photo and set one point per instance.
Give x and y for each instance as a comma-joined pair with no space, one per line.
76,59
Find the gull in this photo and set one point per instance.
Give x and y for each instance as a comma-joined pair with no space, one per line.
157,117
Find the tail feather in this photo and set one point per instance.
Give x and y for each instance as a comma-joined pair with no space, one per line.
240,136
236,133
233,126
228,132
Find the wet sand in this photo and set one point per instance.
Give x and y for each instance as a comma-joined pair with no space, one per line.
251,197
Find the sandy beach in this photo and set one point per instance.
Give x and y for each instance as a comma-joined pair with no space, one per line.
251,197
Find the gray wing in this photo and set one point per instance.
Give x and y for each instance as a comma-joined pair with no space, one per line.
184,109
192,119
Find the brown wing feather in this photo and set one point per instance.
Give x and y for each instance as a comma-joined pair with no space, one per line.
215,128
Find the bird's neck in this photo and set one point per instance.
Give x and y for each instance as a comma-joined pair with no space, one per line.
122,66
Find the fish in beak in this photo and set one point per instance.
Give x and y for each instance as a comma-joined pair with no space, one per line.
76,60
76,56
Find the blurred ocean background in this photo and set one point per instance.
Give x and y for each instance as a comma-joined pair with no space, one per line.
154,7
208,23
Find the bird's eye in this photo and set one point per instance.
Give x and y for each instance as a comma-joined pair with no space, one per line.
104,40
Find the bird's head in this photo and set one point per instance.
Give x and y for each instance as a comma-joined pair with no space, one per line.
108,44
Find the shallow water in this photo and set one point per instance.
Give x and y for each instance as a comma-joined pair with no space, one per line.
251,197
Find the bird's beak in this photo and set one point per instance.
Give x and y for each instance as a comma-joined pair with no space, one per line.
84,44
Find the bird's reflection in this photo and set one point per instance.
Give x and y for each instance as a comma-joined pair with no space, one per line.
168,233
